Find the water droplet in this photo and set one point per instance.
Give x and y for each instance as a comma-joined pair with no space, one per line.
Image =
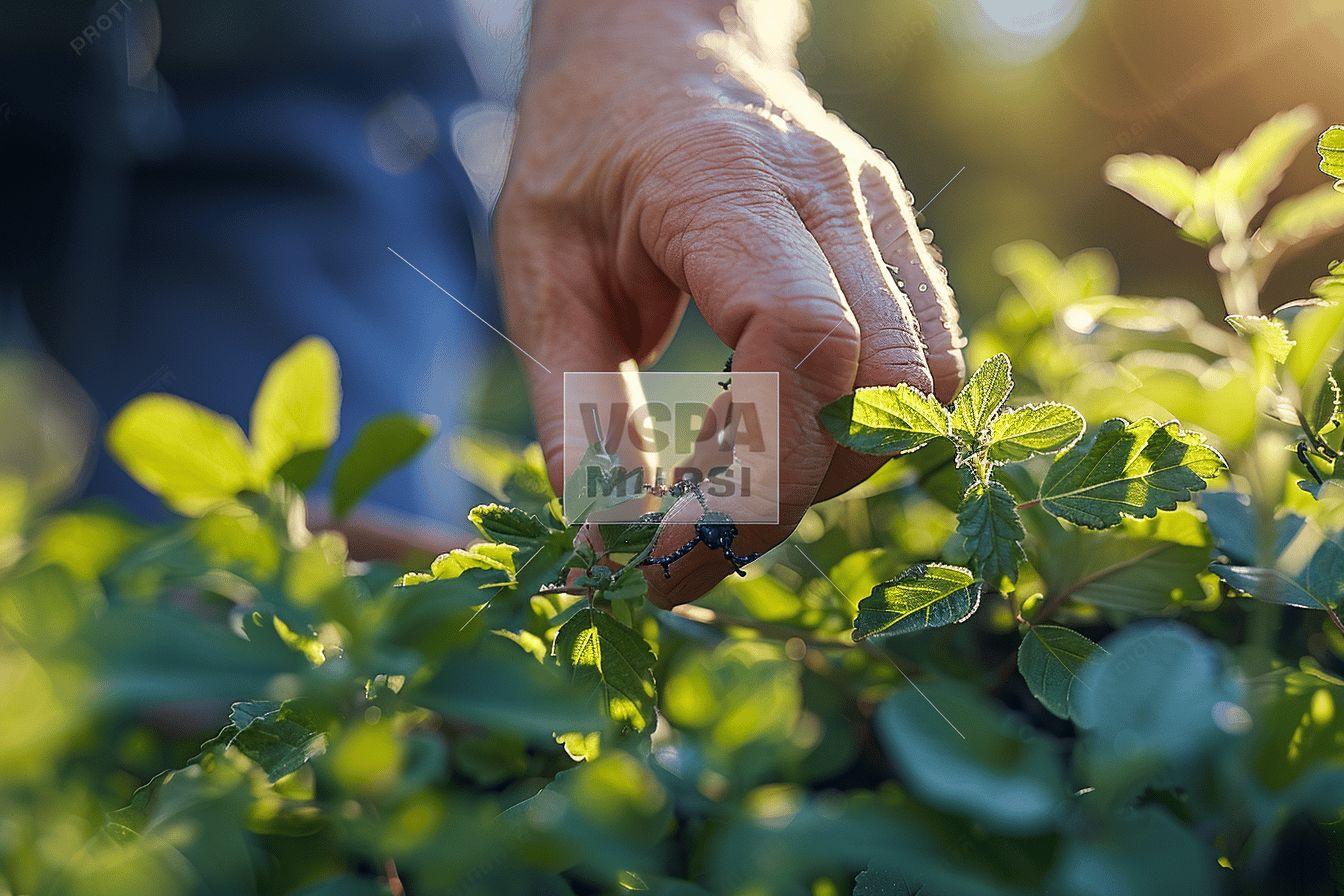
923,287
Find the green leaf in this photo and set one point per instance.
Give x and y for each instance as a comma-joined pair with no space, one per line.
1146,702
298,407
1319,586
886,420
498,557
1128,470
1147,567
1247,175
279,737
192,458
1323,409
980,399
602,653
1049,660
507,524
1331,149
989,523
1300,219
959,752
884,879
927,595
1267,334
384,444
1167,186
1034,429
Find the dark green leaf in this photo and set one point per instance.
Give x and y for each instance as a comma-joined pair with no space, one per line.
1049,659
1128,470
601,653
1319,586
989,523
384,444
927,595
1147,702
280,740
1147,567
885,879
1323,409
508,524
963,754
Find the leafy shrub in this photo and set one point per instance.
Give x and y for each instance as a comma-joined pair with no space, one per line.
1142,696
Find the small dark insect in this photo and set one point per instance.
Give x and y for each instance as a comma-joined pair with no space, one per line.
715,530
727,368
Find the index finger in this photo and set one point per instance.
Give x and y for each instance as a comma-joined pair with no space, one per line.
765,287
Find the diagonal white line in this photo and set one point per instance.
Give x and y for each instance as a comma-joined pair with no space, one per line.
819,344
921,693
920,210
813,564
879,650
468,310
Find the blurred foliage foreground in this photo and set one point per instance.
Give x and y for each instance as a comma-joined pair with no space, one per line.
1143,696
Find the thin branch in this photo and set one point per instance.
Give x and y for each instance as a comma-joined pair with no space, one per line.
1052,605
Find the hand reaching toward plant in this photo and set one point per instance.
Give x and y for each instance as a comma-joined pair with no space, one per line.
668,149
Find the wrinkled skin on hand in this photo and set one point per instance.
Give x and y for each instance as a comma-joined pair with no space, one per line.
661,154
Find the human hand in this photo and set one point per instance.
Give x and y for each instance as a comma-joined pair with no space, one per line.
662,153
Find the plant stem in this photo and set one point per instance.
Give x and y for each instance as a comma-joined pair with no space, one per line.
1052,605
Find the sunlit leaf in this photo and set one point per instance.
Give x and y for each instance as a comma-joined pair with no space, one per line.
1301,219
989,523
602,653
1167,186
1268,335
497,557
190,457
1035,429
886,419
927,595
1128,470
1247,175
298,407
1322,411
1049,659
980,399
1331,149
382,445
